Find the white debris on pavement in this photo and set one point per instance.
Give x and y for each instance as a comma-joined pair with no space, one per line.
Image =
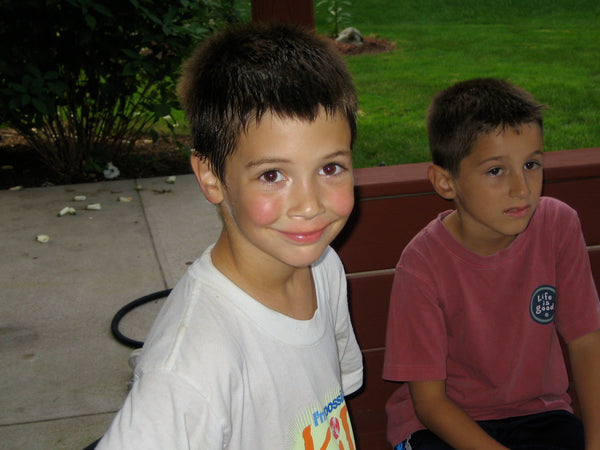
125,199
79,198
94,206
67,210
43,238
171,179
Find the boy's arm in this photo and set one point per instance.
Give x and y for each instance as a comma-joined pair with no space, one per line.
584,355
446,419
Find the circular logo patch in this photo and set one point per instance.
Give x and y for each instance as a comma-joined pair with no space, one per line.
543,303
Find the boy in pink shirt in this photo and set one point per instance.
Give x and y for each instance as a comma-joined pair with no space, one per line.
482,293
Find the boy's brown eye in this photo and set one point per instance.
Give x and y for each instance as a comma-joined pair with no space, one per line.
271,176
330,169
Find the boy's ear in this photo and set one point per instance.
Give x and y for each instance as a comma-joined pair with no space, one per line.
442,181
209,183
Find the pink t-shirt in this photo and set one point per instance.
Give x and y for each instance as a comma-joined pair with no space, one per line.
488,325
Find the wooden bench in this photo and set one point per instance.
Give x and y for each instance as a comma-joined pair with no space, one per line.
393,204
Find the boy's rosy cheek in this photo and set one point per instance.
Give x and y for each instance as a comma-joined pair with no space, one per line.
264,211
343,203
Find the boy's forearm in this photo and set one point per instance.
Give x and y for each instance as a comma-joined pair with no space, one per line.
584,354
447,420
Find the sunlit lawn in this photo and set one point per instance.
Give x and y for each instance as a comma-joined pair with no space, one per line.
550,48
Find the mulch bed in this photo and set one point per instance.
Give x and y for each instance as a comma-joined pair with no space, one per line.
20,165
371,45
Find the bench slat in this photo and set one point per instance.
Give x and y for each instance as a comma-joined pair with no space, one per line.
369,311
368,411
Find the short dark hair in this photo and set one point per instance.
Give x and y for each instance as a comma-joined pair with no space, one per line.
461,113
245,71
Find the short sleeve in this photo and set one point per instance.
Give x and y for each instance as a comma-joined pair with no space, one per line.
416,344
578,306
349,353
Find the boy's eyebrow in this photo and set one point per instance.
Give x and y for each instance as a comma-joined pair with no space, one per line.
263,161
267,161
499,158
341,152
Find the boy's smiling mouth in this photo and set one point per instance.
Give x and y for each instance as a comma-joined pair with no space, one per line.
304,237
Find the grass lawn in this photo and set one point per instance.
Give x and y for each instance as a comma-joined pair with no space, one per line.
550,48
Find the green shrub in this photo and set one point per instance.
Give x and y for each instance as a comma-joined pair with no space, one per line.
81,80
336,13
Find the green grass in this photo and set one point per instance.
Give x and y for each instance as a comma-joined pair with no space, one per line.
551,48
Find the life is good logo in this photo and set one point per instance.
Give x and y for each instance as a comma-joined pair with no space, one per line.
543,304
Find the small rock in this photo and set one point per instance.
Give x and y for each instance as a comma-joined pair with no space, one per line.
352,36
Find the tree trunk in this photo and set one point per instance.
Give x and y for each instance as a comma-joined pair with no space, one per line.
300,12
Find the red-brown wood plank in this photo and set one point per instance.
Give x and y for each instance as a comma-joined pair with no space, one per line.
367,408
380,229
575,163
369,297
584,196
595,263
412,178
300,12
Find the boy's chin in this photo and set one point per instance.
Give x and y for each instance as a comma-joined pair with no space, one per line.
303,258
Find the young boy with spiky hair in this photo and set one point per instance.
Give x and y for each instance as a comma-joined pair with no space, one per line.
254,348
483,292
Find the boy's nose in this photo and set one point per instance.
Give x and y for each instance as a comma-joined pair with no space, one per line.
306,200
519,186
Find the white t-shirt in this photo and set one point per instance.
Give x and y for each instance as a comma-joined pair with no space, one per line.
220,370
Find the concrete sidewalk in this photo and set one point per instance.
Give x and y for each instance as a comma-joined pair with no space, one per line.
62,374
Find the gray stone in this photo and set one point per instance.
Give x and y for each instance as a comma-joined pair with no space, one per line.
352,36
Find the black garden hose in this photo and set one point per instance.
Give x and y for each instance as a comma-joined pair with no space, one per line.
114,326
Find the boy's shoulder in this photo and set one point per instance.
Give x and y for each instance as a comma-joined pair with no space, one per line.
429,237
552,216
196,311
552,205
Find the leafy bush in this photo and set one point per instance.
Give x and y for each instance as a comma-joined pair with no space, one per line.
81,80
336,13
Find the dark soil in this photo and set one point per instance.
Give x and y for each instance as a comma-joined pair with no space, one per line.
371,45
20,165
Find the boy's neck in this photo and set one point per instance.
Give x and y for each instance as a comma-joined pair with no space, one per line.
282,288
479,245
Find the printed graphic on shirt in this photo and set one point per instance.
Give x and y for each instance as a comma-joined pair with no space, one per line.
324,426
543,304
